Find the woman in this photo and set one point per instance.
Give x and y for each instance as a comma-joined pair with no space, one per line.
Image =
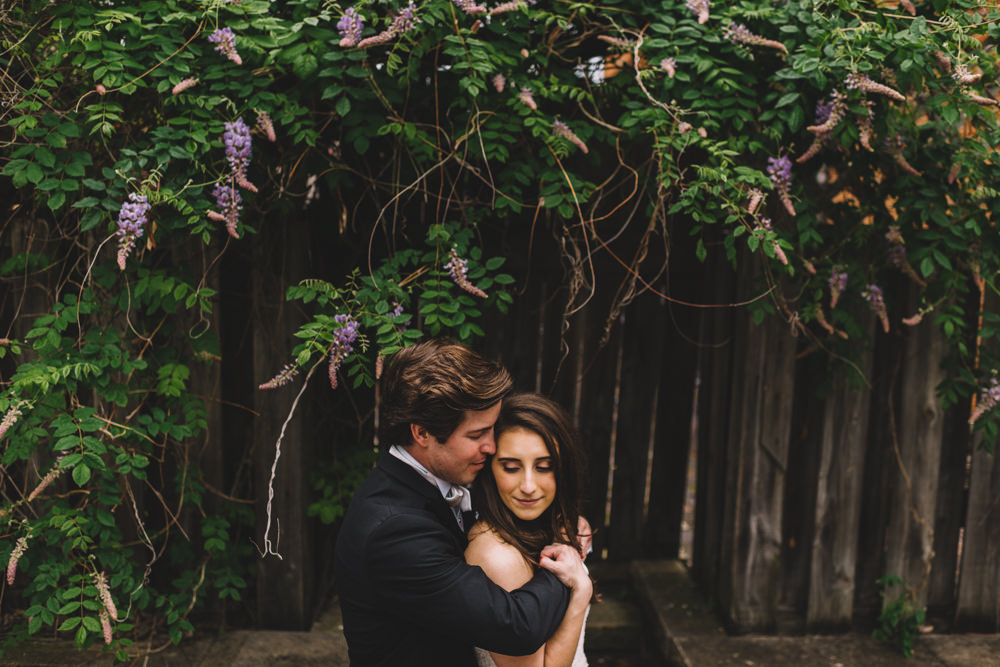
528,496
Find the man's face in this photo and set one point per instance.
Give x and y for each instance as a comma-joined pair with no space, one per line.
460,458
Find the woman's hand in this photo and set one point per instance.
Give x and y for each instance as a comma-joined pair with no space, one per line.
564,561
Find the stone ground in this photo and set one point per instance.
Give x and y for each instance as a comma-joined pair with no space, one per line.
679,630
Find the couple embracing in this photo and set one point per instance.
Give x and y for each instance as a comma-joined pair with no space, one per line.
424,580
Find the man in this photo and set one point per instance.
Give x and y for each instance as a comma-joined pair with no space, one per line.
406,593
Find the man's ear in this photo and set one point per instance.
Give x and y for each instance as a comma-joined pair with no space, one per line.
420,436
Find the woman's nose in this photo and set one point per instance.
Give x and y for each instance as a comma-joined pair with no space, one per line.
528,482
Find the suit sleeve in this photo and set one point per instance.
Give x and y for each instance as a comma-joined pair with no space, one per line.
416,570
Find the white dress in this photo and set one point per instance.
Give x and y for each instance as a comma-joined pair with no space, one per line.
484,659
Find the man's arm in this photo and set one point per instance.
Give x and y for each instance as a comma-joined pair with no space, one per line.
419,575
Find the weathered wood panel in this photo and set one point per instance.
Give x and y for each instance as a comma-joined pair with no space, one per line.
285,586
916,443
978,604
758,444
838,496
717,361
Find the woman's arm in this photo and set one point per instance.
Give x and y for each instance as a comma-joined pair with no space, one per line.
507,568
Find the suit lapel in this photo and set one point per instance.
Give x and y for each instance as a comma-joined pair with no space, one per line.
433,500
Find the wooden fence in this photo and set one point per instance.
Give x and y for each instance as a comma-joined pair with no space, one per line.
811,482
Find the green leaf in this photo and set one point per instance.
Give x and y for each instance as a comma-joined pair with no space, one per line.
81,474
69,624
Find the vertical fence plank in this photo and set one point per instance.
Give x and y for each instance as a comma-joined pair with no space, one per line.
916,444
978,607
718,365
759,436
284,588
672,437
838,497
643,348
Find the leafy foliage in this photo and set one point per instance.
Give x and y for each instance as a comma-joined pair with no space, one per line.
609,127
900,620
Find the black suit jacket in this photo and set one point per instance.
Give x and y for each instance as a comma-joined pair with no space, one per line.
407,595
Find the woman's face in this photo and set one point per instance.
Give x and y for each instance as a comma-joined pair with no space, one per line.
522,468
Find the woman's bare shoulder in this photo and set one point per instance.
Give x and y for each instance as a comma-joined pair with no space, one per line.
500,561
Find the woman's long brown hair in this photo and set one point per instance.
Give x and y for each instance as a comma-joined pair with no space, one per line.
558,523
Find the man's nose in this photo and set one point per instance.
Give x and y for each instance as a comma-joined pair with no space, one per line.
489,445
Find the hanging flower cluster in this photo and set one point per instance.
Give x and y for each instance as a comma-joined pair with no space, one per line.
350,26
15,556
861,82
237,141
865,126
895,146
229,201
838,284
458,269
780,171
225,43
987,401
738,33
873,295
266,125
562,130
183,85
343,344
764,227
964,76
282,378
700,9
401,24
669,65
499,81
101,583
380,358
527,99
131,221
470,7
50,477
505,7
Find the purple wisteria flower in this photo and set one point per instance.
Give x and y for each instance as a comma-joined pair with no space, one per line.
343,344
266,125
237,140
865,126
756,197
988,400
861,82
10,418
15,556
131,221
181,86
838,284
669,65
505,7
225,43
739,34
764,228
963,75
895,145
282,378
560,129
106,626
50,477
499,81
700,9
527,99
350,25
780,171
401,24
229,202
101,583
458,269
470,7
873,295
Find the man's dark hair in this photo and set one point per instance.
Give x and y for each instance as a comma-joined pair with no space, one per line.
433,384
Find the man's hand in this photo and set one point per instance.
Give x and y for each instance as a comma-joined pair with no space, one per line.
564,561
586,535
